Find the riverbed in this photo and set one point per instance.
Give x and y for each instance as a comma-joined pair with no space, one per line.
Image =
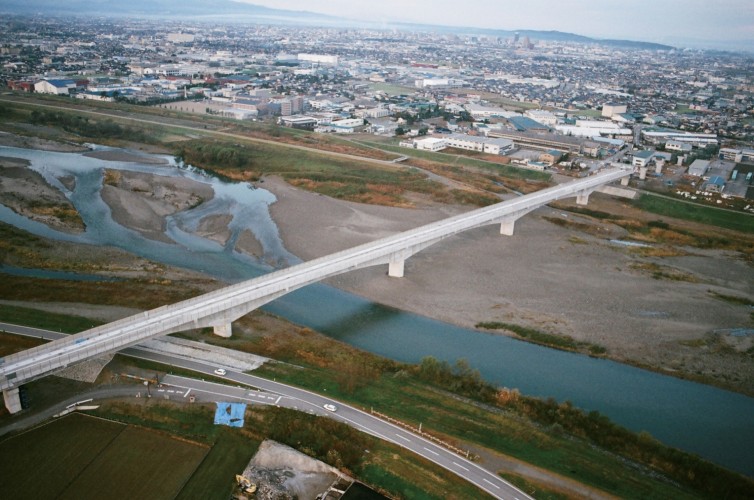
711,422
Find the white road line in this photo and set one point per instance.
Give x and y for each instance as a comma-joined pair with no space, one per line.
432,451
403,438
187,393
490,482
460,466
278,400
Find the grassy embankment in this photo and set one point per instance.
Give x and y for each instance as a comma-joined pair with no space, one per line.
490,177
334,177
697,213
670,235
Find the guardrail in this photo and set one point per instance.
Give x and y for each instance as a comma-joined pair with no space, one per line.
418,430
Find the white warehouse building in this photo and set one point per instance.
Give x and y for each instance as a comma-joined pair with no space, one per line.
489,145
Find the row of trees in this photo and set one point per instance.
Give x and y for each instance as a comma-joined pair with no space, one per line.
80,125
683,467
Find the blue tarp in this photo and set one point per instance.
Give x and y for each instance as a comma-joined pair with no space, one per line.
230,414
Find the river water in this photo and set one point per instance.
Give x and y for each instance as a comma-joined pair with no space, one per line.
713,423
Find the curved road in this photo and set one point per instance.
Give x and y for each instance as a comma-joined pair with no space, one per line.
295,398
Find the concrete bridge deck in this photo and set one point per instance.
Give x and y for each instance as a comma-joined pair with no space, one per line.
218,309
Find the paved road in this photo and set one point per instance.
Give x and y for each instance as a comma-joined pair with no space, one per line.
271,392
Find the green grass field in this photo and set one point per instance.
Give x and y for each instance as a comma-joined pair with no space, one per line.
697,213
84,457
139,463
392,89
43,462
213,480
45,320
503,170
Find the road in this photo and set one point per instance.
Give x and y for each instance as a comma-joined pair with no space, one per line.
271,392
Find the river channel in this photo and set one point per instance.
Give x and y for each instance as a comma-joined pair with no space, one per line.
713,423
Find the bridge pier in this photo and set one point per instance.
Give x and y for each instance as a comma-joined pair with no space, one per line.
395,268
12,400
624,181
506,226
582,198
224,330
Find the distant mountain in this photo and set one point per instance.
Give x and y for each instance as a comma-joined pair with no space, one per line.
556,36
151,8
240,11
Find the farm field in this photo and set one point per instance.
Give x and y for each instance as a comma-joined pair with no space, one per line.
84,457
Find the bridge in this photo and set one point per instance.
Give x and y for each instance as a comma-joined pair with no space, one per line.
218,309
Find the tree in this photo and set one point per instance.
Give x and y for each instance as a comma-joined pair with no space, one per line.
399,131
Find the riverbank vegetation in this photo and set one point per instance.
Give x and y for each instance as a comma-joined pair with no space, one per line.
669,233
492,177
335,177
563,342
660,205
91,129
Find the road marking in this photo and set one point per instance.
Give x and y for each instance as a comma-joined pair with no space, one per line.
432,451
403,438
187,393
277,400
461,466
490,482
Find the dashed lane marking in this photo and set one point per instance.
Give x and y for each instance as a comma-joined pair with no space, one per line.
490,482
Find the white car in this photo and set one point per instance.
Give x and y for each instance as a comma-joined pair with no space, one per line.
220,371
330,407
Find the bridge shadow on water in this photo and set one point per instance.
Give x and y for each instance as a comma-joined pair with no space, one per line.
315,308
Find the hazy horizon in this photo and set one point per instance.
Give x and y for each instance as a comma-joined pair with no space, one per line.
689,23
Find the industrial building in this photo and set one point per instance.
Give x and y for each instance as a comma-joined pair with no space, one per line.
661,136
698,168
482,144
608,110
58,87
642,158
431,144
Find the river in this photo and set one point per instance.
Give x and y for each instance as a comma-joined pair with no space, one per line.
713,423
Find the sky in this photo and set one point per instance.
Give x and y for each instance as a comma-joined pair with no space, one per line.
723,24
